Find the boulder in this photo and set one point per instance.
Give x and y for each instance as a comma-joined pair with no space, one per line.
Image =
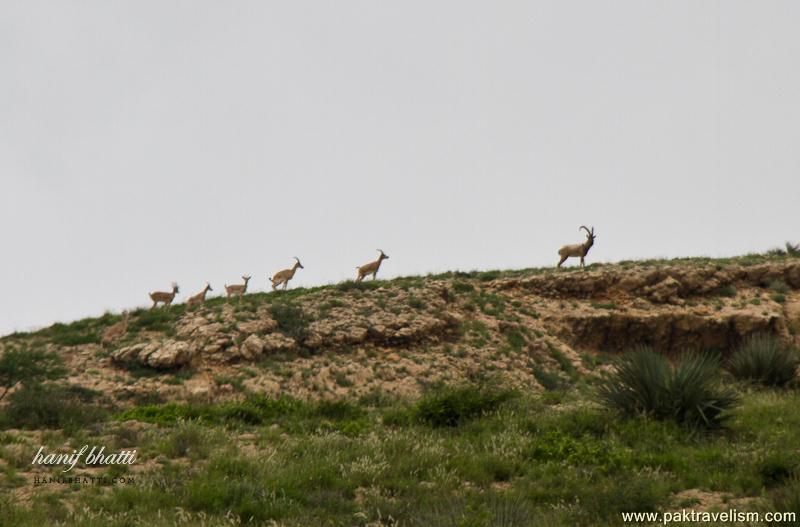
252,347
166,354
665,292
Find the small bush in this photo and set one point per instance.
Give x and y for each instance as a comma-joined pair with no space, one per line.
550,381
348,286
763,359
463,287
37,406
27,366
645,383
779,286
162,319
451,406
726,291
793,249
291,319
188,439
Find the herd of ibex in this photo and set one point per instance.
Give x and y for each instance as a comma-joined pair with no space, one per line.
282,277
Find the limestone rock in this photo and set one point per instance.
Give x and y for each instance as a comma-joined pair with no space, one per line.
276,342
252,347
665,292
166,354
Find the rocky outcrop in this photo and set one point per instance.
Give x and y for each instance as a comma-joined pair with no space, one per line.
671,331
692,280
672,308
167,354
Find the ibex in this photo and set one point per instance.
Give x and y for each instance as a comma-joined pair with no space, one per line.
371,268
116,331
579,249
283,277
199,298
237,290
164,298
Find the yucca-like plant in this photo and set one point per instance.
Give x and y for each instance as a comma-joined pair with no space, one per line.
765,360
694,393
645,383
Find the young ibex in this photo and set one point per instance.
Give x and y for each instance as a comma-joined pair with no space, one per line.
116,331
237,290
164,298
578,249
199,298
283,277
371,268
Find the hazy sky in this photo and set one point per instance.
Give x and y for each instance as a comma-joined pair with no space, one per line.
145,142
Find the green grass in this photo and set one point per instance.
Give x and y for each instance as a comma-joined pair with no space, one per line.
575,464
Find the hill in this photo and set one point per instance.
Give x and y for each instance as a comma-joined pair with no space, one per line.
452,399
398,336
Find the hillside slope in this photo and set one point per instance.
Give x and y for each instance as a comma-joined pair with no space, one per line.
536,328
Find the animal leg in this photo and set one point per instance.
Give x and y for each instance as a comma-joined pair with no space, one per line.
563,259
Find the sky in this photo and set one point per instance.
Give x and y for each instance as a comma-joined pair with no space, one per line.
151,141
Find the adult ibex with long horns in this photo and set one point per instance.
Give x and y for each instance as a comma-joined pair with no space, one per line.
578,249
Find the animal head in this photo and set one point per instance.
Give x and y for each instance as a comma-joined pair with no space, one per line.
246,278
590,235
298,262
383,255
175,288
208,287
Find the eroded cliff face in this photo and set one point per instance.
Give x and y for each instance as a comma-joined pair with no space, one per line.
672,308
401,335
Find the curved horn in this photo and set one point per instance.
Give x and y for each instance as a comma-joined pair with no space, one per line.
586,229
296,258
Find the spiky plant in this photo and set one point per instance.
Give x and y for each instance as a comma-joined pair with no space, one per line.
694,394
763,359
644,383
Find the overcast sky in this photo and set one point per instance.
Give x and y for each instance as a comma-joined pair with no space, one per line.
146,142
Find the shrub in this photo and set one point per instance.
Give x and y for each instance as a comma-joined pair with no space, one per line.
463,287
764,360
779,286
645,383
726,291
291,319
37,406
550,381
187,439
27,366
451,406
793,250
357,286
162,319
